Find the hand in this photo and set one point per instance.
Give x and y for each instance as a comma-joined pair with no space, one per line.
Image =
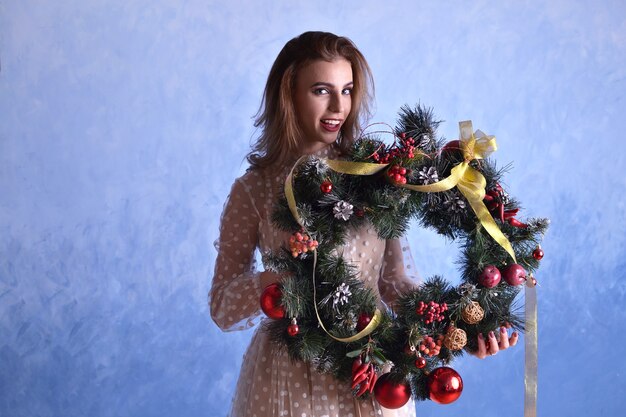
491,346
269,277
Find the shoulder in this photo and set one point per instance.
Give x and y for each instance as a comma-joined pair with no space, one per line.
252,179
251,185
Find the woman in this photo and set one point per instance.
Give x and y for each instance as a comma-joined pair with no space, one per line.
317,96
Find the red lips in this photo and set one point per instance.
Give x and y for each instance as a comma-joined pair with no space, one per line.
331,128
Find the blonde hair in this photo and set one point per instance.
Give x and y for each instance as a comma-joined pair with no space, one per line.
277,116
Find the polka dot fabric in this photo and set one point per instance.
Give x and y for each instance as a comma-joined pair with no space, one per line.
270,384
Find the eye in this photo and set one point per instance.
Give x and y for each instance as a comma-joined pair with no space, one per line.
320,91
346,91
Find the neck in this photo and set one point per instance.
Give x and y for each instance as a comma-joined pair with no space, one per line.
313,148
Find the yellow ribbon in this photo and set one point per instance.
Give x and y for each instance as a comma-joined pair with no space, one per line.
355,168
530,352
469,181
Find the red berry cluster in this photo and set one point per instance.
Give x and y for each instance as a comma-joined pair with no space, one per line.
408,145
406,149
301,243
432,311
431,347
397,174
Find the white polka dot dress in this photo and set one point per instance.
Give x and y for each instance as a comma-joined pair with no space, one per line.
270,384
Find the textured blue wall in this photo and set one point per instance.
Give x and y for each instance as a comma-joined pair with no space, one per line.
123,124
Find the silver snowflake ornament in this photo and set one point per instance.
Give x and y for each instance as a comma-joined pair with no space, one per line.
428,175
343,210
341,296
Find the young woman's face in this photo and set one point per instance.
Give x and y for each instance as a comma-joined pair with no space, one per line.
323,100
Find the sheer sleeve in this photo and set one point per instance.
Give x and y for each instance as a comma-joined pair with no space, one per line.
236,288
398,273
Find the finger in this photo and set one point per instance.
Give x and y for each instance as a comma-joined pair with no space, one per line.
482,349
504,338
513,339
493,344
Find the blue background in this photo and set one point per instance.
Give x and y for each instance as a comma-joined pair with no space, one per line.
123,125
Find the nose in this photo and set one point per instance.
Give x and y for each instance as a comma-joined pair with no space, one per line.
336,103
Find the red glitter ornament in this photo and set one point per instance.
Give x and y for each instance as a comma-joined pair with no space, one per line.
326,187
363,320
410,350
391,394
270,302
444,385
293,328
420,362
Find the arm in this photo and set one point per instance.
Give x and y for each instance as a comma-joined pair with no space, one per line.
236,287
398,273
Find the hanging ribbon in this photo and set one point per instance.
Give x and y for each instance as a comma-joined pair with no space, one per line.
530,350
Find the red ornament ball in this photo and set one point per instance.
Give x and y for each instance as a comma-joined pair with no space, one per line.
410,350
391,394
538,254
420,362
444,385
270,302
490,277
293,329
363,320
359,212
514,274
326,187
452,147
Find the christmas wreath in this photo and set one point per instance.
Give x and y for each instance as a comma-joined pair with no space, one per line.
325,315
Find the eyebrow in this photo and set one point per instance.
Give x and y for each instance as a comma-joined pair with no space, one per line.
324,84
